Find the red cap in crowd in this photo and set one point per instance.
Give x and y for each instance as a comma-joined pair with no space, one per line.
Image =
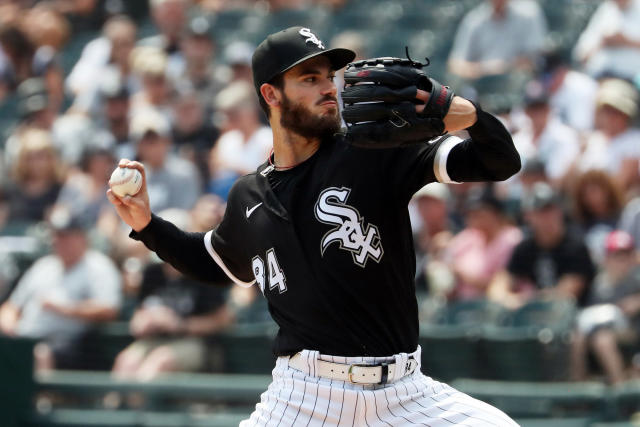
619,241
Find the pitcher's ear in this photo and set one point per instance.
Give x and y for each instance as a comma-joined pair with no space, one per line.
271,94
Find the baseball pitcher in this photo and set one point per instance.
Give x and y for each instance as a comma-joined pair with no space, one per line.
322,228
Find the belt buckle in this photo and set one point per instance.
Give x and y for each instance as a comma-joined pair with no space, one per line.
383,377
356,365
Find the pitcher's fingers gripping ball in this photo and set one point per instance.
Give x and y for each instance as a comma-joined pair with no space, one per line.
380,103
125,181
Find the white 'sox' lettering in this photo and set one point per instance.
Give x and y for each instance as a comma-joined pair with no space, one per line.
363,241
310,37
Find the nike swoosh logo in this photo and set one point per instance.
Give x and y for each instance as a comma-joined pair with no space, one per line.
250,211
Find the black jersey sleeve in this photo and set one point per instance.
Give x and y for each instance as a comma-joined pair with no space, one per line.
227,243
488,155
185,251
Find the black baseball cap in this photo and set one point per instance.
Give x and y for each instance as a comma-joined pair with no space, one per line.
483,198
285,49
62,220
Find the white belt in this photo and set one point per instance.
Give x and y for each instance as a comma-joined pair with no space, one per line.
356,373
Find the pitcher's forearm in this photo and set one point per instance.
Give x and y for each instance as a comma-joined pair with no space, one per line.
461,115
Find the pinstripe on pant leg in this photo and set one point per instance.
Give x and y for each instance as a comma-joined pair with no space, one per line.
284,395
430,403
300,397
332,403
349,400
449,401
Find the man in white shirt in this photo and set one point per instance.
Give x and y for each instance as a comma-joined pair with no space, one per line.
611,41
615,146
496,37
245,142
61,295
572,94
174,182
545,137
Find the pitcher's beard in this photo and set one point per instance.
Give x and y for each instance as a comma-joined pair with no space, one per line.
299,119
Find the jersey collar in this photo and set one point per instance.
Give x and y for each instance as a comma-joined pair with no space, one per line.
270,199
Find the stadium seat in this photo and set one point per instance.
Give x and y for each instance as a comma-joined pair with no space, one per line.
16,374
449,352
553,314
532,344
109,418
451,346
474,312
569,422
626,400
615,424
540,400
247,349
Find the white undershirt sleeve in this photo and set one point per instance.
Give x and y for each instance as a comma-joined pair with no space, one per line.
440,161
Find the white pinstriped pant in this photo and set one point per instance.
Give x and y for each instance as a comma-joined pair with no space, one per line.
300,398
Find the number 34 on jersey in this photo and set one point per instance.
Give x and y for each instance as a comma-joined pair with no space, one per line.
274,275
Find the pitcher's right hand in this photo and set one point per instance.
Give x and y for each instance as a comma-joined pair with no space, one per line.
134,210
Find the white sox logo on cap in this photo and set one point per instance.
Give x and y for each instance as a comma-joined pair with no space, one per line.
310,37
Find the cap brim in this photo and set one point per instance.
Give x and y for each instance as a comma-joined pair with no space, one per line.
339,58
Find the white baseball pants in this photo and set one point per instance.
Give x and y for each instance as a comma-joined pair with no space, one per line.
300,398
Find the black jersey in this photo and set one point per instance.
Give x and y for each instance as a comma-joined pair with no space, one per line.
329,242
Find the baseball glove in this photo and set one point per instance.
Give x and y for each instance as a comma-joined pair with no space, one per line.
380,99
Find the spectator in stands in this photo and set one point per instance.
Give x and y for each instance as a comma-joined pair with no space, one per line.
572,94
62,295
84,191
429,206
610,44
597,205
113,119
21,59
172,182
552,262
278,5
193,132
496,37
237,55
514,190
630,220
109,53
37,177
545,137
45,26
150,64
245,141
34,111
207,213
483,248
198,73
174,316
614,147
216,6
429,213
72,133
532,172
170,18
612,315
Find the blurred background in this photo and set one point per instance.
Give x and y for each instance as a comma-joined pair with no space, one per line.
529,289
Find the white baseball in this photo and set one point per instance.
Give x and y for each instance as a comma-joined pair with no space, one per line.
125,181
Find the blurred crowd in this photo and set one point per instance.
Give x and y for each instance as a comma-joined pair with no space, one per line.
172,96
